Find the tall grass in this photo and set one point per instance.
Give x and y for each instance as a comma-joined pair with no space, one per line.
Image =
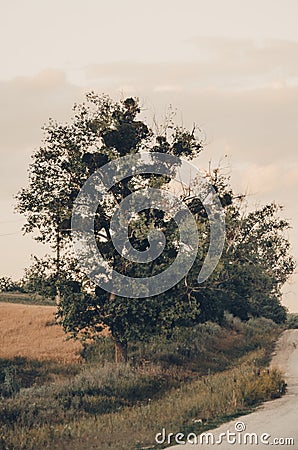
191,382
193,406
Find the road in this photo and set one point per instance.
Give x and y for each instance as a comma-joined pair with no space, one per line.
277,418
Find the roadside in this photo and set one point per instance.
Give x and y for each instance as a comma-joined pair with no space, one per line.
197,379
278,418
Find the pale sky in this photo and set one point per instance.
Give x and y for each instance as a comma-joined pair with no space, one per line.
230,66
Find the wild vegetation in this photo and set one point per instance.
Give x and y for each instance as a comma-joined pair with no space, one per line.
199,377
292,321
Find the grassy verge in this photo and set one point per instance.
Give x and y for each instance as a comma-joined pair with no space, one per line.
192,382
25,299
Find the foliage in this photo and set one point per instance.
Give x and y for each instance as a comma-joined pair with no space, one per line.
292,321
247,282
40,277
197,350
9,385
25,298
267,385
8,285
254,265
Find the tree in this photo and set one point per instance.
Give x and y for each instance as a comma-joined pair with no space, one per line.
263,250
60,167
101,131
255,263
245,282
8,285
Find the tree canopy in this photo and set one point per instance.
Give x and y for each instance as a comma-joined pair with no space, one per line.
247,281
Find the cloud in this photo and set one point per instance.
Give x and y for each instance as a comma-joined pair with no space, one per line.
249,59
242,92
256,124
218,63
167,88
263,178
29,102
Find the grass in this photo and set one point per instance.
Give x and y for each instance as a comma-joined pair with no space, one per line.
29,372
93,410
30,331
199,350
193,407
25,299
191,382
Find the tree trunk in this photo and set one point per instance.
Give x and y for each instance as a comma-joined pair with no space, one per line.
120,351
58,293
58,296
120,345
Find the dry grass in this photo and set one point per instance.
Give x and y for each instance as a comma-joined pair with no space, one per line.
112,407
50,405
30,331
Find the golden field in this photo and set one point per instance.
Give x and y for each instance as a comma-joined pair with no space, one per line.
30,331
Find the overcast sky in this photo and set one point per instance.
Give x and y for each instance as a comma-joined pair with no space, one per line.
230,66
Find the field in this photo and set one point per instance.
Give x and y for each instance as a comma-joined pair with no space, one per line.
30,331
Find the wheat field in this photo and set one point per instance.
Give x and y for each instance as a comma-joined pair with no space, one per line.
30,331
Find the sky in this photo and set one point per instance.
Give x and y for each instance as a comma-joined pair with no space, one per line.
231,67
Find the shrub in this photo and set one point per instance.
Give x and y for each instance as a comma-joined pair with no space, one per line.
233,322
9,384
292,321
267,385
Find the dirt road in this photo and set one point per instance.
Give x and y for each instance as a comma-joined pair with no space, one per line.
273,423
